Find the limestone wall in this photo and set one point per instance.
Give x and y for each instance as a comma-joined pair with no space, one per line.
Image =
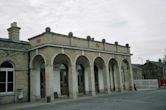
146,84
17,55
64,40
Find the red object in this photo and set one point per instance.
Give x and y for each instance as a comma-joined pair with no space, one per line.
97,45
163,82
38,40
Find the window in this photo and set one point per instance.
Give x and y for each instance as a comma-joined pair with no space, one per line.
6,78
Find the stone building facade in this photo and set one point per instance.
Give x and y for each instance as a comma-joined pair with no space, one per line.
53,65
154,70
137,71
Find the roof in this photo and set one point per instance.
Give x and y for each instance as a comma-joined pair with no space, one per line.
137,66
160,64
19,42
53,33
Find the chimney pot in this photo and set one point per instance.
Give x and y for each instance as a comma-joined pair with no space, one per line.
14,32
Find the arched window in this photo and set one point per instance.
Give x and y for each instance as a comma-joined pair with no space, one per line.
6,77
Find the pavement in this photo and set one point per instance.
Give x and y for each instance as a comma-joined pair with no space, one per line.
137,100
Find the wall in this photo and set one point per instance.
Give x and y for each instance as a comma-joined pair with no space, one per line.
64,40
146,84
16,54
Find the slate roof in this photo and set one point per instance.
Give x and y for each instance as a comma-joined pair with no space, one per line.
137,66
158,64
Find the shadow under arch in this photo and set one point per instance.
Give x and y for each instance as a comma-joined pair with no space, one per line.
126,75
38,77
114,74
83,75
62,72
100,75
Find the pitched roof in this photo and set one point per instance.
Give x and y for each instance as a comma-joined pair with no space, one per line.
137,66
158,64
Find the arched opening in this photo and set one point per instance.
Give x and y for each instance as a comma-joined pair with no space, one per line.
6,77
38,80
125,72
64,79
96,75
99,71
61,75
81,84
42,81
83,72
113,73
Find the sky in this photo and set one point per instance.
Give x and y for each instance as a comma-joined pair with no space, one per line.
141,23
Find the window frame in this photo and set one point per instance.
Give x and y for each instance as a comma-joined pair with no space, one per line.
7,70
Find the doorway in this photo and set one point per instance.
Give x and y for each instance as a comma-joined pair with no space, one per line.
42,83
64,80
96,79
81,84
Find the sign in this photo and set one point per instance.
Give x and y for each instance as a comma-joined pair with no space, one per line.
38,40
97,45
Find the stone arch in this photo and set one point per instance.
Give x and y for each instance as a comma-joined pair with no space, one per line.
100,75
8,61
57,54
62,75
83,72
126,75
38,77
33,58
11,61
114,74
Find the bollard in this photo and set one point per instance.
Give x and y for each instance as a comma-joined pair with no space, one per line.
48,99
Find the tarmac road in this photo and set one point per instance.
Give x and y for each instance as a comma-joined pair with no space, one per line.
141,100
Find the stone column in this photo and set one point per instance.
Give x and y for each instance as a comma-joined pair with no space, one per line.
32,85
131,77
73,82
120,85
49,81
92,80
107,80
111,78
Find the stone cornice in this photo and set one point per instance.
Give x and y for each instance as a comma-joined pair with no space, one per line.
78,48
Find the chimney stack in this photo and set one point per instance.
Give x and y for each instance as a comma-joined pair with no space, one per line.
14,32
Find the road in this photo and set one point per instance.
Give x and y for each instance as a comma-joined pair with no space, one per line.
142,100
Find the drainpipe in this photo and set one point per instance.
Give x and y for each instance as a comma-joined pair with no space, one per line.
29,76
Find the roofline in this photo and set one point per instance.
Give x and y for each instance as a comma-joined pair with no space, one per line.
78,48
19,42
72,37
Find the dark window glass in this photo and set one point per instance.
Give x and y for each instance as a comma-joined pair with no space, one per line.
10,87
10,76
2,76
2,87
7,64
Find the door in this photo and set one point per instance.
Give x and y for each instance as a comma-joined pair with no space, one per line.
42,83
96,79
81,86
113,77
64,82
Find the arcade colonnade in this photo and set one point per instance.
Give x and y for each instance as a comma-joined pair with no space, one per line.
71,73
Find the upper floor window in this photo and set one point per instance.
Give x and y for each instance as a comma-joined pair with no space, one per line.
6,77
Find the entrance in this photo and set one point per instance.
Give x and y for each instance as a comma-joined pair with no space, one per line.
113,77
64,80
81,85
42,83
96,79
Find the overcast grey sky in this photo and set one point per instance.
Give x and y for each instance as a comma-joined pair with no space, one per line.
141,23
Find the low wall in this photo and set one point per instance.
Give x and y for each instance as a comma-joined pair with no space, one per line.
146,84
